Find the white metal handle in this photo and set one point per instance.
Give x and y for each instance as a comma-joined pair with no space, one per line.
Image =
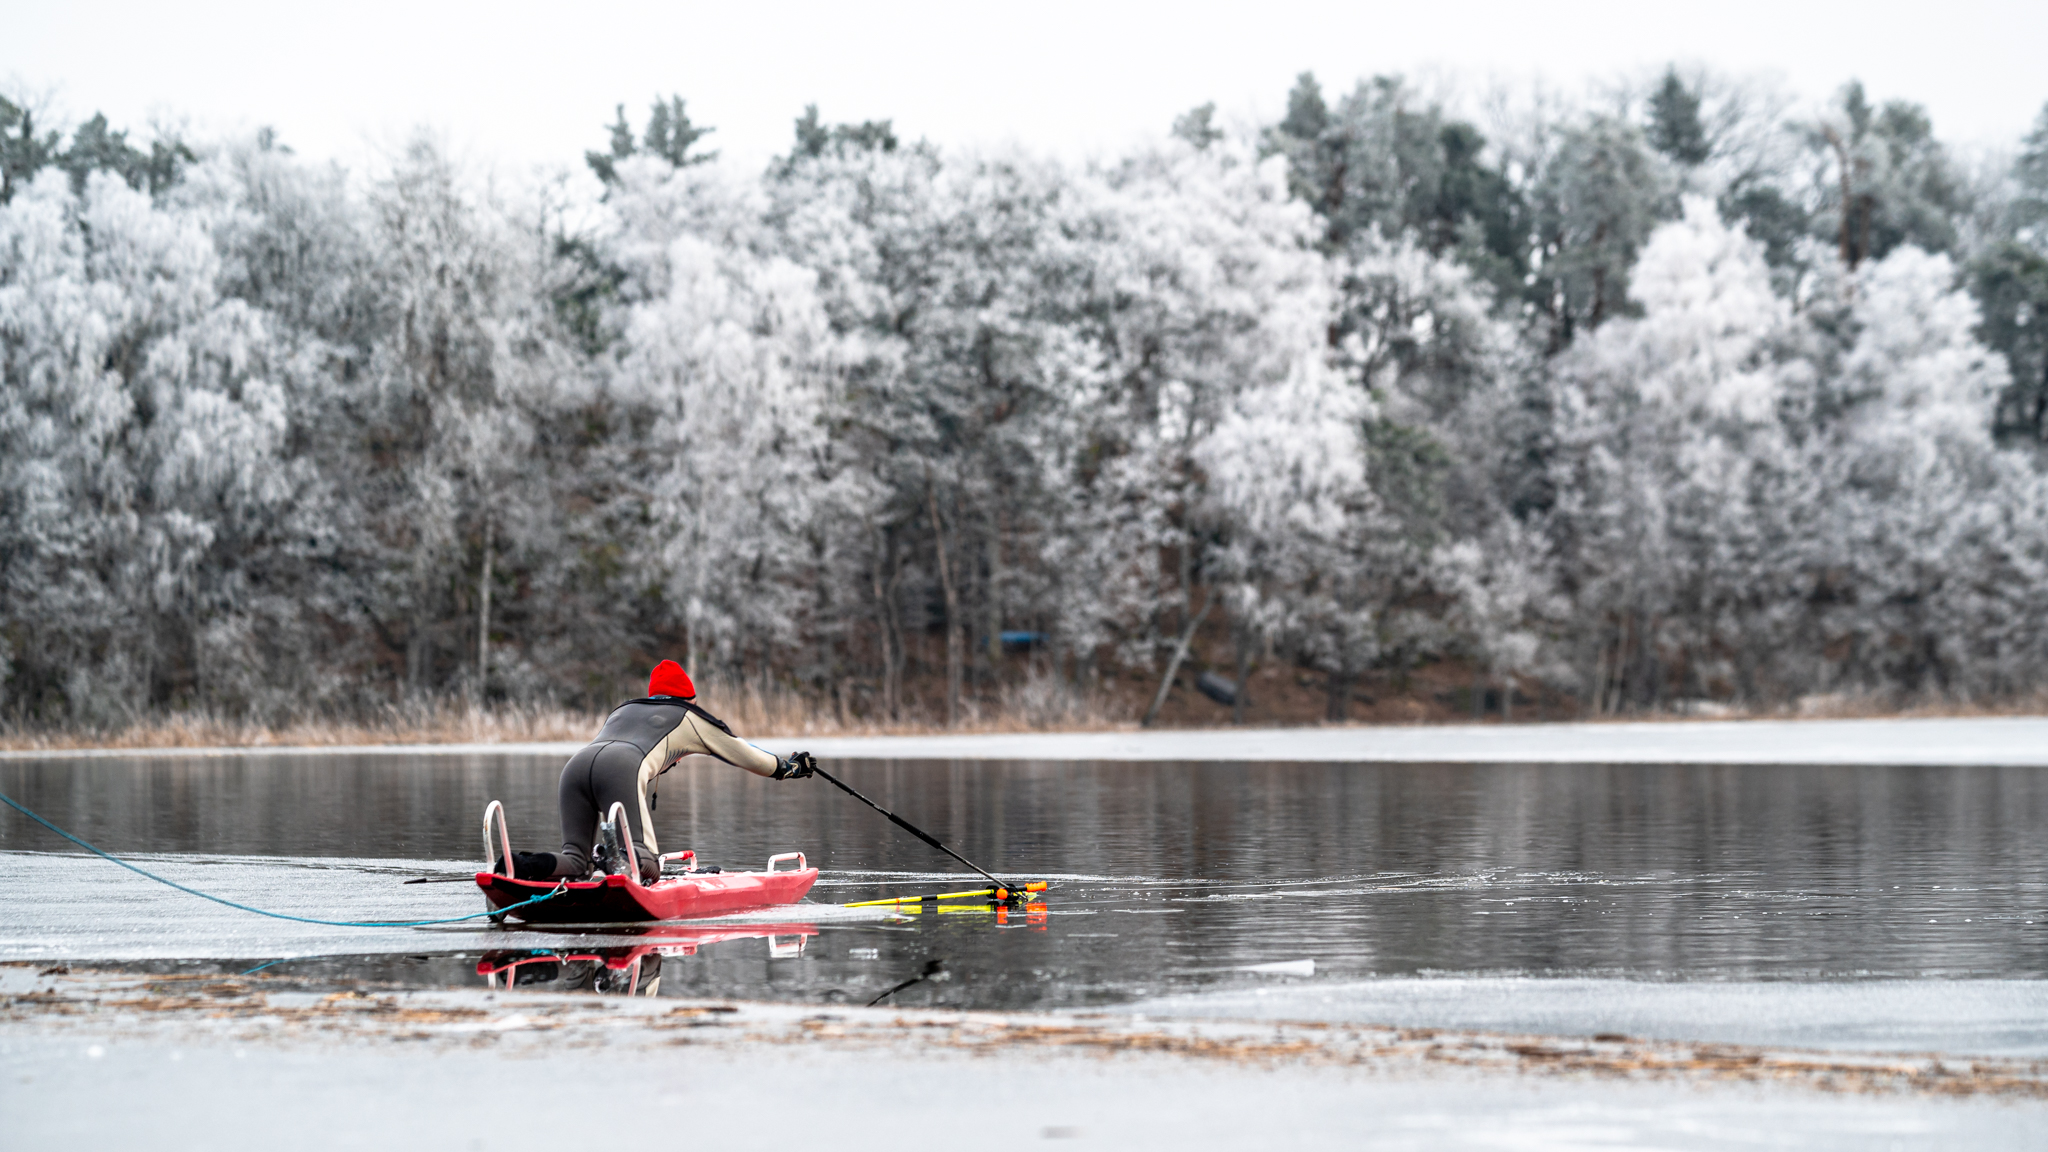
777,950
617,818
779,857
685,854
493,861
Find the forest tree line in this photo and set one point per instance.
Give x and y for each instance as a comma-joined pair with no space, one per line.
1671,395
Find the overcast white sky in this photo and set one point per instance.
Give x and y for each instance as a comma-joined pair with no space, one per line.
519,84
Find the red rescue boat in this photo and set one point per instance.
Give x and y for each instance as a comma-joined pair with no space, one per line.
620,898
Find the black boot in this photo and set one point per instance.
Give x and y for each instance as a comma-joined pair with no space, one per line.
531,866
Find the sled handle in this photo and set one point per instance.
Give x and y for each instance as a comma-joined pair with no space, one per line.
779,857
777,950
493,860
617,819
686,854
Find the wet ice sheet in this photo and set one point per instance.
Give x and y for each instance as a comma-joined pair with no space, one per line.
1174,879
70,907
1654,872
1955,1017
1178,947
66,907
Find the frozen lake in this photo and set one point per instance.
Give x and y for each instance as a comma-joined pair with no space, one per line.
1867,907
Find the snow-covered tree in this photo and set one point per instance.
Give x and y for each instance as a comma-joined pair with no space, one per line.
141,453
1672,474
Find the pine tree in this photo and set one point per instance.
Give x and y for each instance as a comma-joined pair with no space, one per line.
1675,128
1197,126
2030,175
670,135
1594,204
606,164
23,152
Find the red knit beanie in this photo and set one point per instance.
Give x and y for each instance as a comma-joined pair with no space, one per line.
669,679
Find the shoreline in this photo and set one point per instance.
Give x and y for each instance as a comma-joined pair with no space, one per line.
1980,741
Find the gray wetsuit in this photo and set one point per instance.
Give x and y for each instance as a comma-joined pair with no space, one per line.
640,740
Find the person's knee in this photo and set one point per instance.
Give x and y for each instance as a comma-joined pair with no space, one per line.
570,864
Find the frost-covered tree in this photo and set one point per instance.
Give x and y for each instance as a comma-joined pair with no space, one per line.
1208,448
23,150
1892,184
1385,164
1601,192
727,378
1673,473
2010,282
1927,529
142,464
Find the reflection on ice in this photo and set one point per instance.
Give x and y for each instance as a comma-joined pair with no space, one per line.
631,969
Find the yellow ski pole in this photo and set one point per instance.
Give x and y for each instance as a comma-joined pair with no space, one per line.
996,893
1002,890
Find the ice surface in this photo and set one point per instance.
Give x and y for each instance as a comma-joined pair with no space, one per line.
66,907
2013,741
225,1094
1955,1017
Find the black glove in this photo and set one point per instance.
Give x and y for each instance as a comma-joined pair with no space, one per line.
797,766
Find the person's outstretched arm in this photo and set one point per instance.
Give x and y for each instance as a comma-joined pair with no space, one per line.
700,735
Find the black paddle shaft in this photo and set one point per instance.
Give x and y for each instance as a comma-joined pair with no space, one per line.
907,826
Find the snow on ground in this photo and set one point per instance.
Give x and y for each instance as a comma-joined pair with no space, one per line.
248,1064
1998,741
1955,1017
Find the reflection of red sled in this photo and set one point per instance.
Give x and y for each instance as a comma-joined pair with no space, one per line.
621,898
785,942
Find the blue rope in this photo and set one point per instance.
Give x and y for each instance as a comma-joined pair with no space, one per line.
16,805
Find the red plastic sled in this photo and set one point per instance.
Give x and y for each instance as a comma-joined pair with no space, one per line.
619,900
622,899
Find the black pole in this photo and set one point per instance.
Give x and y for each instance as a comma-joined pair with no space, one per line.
913,829
931,969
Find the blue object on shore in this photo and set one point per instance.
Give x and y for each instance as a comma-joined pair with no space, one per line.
1221,689
1021,639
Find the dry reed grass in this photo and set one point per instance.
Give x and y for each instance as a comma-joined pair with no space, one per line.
1030,706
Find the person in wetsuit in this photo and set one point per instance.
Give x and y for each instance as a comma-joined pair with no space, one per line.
642,739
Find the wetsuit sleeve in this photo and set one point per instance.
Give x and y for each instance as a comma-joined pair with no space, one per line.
696,735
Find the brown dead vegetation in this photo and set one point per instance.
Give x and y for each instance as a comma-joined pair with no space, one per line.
1281,696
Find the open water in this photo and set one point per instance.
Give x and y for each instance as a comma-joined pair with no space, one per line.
1568,897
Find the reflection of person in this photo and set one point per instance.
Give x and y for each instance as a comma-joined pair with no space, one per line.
640,740
614,971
